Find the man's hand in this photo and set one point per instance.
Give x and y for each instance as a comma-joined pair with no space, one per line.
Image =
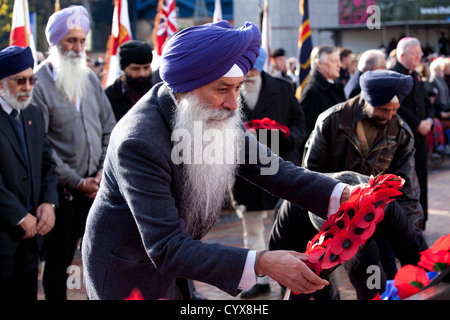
425,126
45,215
92,185
29,226
288,268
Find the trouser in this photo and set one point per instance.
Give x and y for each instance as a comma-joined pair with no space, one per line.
19,272
253,227
60,243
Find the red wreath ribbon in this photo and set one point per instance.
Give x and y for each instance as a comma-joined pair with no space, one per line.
354,223
268,124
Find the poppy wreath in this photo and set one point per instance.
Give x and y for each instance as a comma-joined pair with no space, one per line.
354,223
268,124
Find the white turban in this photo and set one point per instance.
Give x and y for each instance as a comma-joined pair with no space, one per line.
61,22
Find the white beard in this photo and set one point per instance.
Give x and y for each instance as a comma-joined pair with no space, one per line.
206,182
73,71
12,100
250,91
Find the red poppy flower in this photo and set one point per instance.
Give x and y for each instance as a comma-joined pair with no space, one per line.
330,260
135,295
436,258
443,243
343,246
369,216
268,124
409,280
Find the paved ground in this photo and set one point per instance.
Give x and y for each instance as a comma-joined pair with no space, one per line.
229,231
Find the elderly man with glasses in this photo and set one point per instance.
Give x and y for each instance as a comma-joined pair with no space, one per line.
28,180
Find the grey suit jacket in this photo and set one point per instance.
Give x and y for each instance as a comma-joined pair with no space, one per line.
134,235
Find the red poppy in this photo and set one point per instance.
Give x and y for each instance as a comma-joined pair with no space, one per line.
369,216
135,295
268,124
409,280
437,257
343,246
443,243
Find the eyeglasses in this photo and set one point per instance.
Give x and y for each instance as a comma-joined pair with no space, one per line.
21,81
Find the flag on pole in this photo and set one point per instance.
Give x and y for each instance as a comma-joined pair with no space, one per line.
120,33
265,35
165,24
304,48
217,11
21,34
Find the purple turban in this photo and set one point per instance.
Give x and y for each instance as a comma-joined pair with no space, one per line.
61,22
378,87
202,54
15,59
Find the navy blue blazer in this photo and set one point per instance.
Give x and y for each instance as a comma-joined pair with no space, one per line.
14,174
134,234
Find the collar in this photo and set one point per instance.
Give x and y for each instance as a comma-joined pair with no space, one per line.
6,107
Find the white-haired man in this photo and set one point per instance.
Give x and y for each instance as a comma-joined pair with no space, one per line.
28,180
417,111
323,89
79,120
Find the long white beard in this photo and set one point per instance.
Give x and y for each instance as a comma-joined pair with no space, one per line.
72,70
250,91
208,165
12,100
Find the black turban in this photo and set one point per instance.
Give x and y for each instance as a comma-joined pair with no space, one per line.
134,51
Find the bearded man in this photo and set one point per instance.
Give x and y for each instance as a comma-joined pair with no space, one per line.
28,180
135,80
79,120
166,175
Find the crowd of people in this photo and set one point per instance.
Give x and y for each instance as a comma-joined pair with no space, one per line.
97,167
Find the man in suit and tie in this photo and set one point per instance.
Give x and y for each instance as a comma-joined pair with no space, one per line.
28,180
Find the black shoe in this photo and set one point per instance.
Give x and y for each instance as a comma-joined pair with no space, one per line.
255,291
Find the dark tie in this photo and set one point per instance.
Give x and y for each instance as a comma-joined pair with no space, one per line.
17,126
15,114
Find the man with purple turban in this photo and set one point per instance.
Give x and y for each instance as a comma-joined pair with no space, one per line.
78,120
166,175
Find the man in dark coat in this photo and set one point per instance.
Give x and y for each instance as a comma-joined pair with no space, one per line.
323,88
372,59
162,191
365,135
417,111
135,80
28,180
266,96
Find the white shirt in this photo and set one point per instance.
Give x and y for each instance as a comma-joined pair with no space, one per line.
249,277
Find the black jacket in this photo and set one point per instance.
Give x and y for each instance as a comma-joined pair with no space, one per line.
119,100
276,101
317,96
14,175
334,146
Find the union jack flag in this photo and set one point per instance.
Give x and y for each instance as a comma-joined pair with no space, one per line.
165,24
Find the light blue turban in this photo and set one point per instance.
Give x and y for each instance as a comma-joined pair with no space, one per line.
202,54
259,64
61,22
